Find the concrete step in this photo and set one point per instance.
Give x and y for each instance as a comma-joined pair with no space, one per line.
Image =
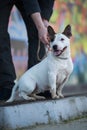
28,114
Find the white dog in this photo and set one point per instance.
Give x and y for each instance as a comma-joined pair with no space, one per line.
51,73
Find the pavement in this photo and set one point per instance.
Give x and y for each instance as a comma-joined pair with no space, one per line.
78,124
24,114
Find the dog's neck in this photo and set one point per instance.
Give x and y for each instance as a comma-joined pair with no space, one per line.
62,58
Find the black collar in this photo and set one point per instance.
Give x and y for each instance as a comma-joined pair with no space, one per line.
62,58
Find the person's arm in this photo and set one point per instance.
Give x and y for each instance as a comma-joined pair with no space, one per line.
32,9
46,7
31,6
42,30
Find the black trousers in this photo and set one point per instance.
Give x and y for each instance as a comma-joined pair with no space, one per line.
7,70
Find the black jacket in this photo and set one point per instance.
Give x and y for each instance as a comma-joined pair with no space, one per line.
45,7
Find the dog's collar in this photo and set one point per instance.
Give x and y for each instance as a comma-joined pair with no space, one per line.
62,58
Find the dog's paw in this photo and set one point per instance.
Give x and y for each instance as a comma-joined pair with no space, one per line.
32,98
9,100
42,98
60,95
29,98
39,97
55,97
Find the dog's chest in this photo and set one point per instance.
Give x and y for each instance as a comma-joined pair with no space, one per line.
62,71
61,66
61,75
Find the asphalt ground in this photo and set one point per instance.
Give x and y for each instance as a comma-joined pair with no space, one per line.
76,124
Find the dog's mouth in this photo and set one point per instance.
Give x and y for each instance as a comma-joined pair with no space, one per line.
58,52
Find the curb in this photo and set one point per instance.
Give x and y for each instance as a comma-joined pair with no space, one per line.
42,112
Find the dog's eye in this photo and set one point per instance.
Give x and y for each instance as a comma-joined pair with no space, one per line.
62,39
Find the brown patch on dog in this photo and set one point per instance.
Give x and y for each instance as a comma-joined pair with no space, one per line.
51,33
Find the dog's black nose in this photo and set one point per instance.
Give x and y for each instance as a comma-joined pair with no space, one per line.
55,47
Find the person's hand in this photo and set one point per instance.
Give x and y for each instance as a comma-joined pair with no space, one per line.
46,24
43,35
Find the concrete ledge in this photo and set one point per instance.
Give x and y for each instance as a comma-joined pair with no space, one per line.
43,112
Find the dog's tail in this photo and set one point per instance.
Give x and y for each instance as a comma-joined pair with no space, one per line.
13,93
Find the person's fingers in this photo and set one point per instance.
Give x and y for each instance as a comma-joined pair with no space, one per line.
44,39
43,35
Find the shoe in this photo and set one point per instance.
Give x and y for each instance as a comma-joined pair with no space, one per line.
1,93
5,94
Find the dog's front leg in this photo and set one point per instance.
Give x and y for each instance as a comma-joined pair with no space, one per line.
60,87
53,93
52,84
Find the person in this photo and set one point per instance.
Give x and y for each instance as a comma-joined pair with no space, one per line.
36,14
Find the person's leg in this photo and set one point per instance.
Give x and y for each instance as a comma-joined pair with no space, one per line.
7,71
33,45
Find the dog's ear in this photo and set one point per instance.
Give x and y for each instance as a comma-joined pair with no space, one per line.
51,33
67,31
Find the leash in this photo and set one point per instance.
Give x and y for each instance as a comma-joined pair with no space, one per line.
46,52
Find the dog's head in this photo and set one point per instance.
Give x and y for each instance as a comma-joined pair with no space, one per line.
59,42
